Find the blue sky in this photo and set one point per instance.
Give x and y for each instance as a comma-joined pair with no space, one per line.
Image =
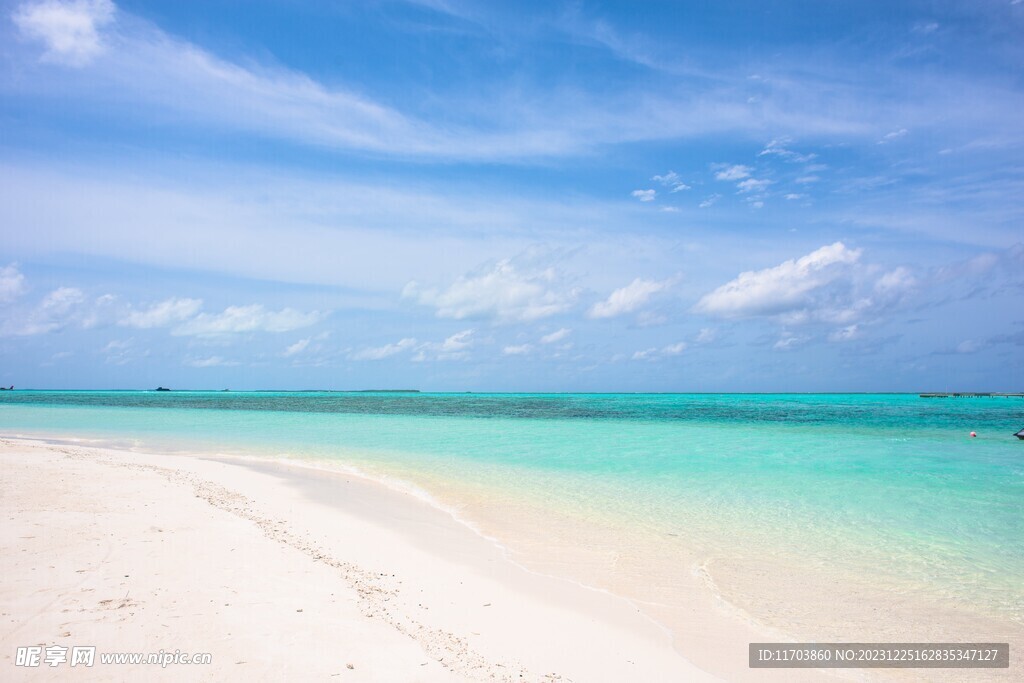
444,195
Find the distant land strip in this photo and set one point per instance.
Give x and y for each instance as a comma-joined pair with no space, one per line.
970,394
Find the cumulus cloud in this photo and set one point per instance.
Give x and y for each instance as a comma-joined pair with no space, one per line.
556,336
12,283
786,288
627,299
502,292
252,318
70,31
386,351
733,172
644,195
162,314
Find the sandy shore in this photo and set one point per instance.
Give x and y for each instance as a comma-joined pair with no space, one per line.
284,573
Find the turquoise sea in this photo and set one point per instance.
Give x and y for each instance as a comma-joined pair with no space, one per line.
888,486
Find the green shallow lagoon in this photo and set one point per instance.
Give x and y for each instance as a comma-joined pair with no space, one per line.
875,483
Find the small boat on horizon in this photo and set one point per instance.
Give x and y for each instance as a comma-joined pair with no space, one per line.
1020,435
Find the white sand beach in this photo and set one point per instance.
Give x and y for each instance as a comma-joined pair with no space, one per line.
271,571
281,571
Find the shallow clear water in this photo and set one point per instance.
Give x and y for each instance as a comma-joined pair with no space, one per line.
888,482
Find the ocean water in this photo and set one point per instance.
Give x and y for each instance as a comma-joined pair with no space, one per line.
889,488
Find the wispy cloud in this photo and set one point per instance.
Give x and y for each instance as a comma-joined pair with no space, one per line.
556,336
644,195
780,148
386,351
517,350
455,347
209,362
58,309
251,318
672,181
732,172
753,185
655,353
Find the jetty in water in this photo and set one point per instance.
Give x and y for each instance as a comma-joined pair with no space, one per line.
970,394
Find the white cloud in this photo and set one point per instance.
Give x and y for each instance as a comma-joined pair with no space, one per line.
455,347
252,318
894,135
709,201
69,30
845,333
627,299
520,350
786,288
968,346
503,292
753,185
789,341
778,147
386,351
556,336
162,314
793,195
12,283
807,179
706,335
122,352
56,311
62,299
655,353
672,181
297,347
644,195
734,172
895,282
211,362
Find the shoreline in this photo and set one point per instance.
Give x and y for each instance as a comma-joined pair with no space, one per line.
486,617
697,621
